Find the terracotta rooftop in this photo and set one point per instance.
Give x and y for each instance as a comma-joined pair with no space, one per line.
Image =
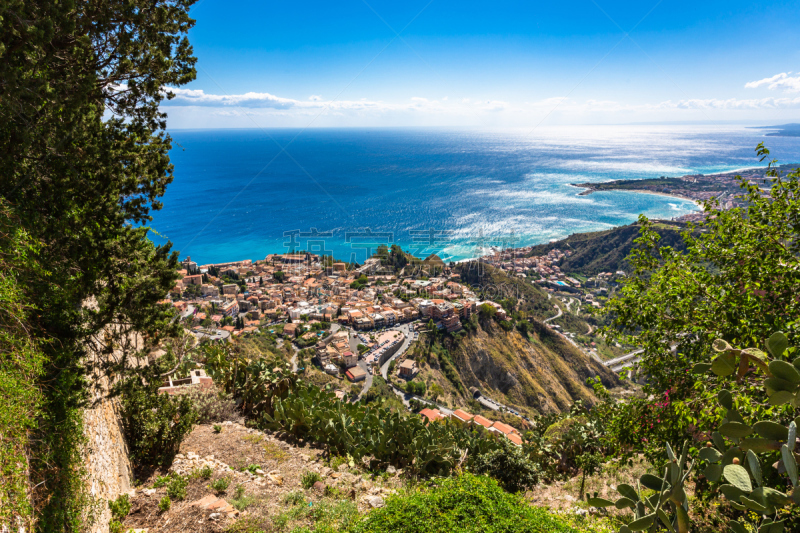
504,428
485,422
462,415
431,414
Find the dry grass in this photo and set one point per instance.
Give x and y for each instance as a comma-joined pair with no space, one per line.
265,506
563,495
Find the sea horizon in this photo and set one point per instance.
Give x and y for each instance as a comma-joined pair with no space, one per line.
245,193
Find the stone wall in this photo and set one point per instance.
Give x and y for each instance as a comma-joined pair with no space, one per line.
107,464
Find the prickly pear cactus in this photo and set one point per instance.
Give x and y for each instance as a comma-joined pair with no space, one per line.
732,455
667,507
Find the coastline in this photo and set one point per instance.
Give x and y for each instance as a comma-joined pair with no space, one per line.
588,190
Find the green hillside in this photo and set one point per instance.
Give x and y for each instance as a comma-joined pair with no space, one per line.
605,251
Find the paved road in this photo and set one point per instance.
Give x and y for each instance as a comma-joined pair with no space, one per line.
403,328
560,312
629,359
406,398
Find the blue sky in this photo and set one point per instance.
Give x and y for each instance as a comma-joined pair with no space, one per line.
492,64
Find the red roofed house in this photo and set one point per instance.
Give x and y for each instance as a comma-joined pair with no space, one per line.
462,417
501,429
432,414
484,423
516,439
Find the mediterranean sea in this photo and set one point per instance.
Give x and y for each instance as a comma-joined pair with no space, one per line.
243,194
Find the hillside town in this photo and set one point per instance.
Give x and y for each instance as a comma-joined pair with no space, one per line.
545,272
308,303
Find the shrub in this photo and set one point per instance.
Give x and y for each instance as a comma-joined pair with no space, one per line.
309,478
294,498
212,405
251,468
154,424
206,472
176,487
220,485
120,507
240,502
466,504
164,504
509,465
217,428
560,429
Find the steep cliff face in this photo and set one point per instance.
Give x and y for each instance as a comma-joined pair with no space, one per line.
544,372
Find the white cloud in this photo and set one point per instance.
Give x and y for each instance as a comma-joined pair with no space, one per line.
733,104
778,81
187,108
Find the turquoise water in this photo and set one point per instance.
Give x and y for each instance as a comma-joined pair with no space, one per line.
241,194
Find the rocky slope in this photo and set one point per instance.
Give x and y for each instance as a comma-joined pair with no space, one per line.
543,372
265,489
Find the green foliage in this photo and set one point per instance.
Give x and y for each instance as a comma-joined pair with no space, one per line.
381,394
416,387
176,487
240,500
294,498
154,424
735,280
220,484
487,311
607,250
389,437
465,503
669,506
251,468
84,160
164,504
217,428
309,478
509,465
21,365
256,380
120,508
206,472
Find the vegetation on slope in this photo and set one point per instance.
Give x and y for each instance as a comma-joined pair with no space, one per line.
493,284
465,503
606,251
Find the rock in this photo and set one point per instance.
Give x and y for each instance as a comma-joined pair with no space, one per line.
304,457
276,478
209,458
342,467
319,486
214,516
375,502
391,470
180,456
149,492
336,475
325,471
